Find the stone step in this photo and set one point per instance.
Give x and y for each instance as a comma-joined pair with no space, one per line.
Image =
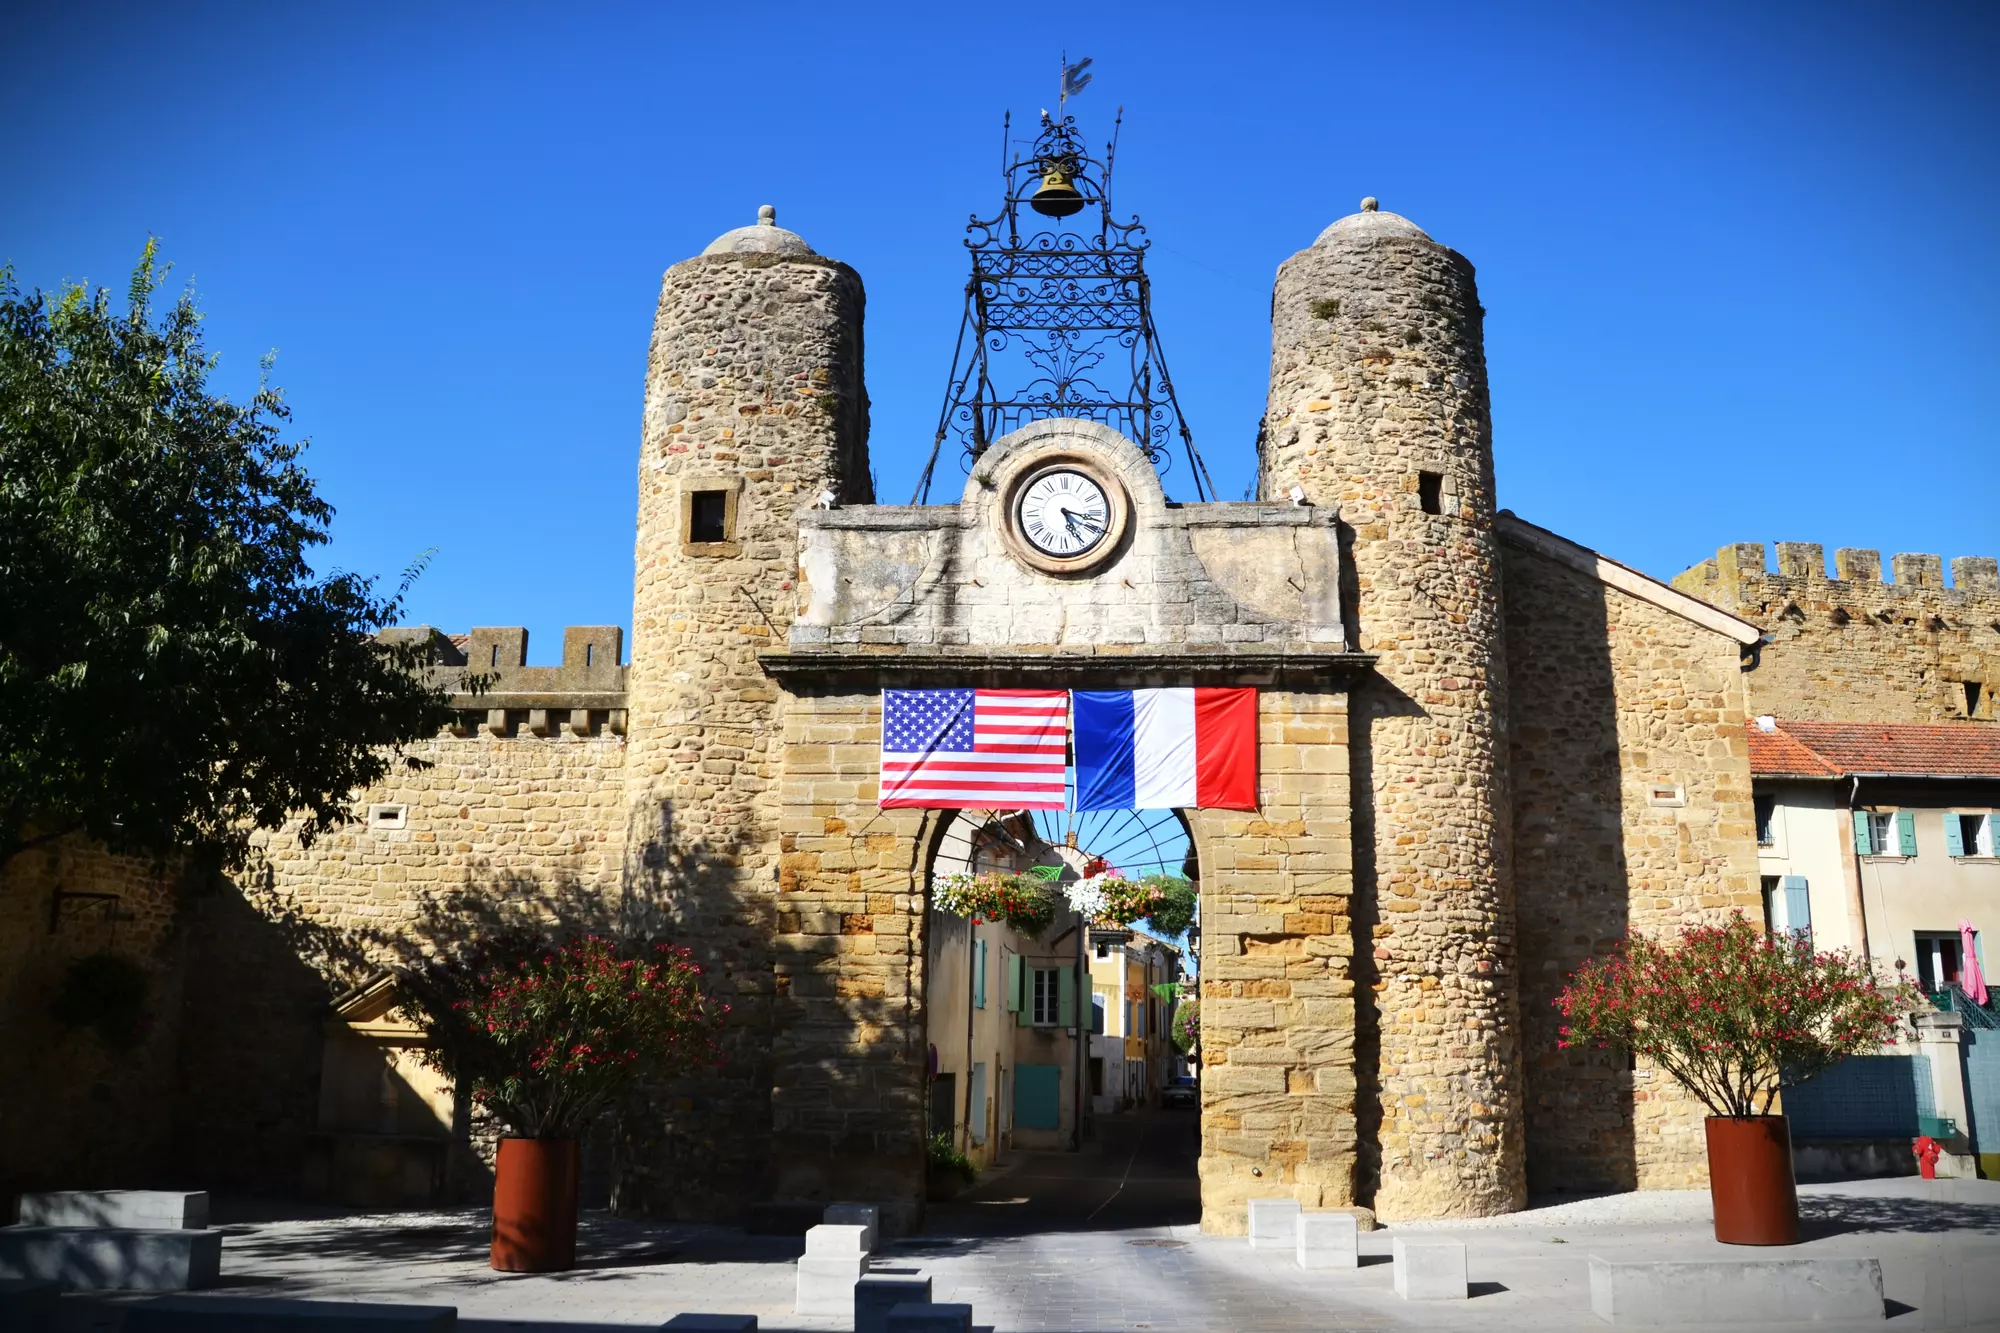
229,1314
145,1210
713,1323
112,1259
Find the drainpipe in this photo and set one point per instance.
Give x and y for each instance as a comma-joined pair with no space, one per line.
972,979
1082,1027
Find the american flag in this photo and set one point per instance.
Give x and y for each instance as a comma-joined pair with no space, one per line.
979,749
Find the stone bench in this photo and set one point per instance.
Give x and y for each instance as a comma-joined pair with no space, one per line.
227,1314
1736,1291
28,1305
133,1210
713,1323
874,1297
1329,1240
833,1262
1274,1224
104,1259
923,1317
1429,1270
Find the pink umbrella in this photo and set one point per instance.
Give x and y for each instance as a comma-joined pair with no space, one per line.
1969,979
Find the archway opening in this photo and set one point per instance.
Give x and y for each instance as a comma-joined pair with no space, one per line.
1052,1067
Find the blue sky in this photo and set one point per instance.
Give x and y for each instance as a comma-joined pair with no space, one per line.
1739,261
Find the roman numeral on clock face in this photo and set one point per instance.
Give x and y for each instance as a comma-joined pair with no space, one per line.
1063,512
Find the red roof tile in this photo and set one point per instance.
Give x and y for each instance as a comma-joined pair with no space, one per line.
1904,749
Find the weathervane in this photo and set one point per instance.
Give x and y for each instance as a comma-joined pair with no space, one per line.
1059,322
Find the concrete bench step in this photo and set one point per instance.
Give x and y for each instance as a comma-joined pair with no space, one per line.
713,1323
144,1210
112,1259
227,1314
1701,1292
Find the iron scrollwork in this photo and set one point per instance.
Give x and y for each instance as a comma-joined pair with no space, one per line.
1060,322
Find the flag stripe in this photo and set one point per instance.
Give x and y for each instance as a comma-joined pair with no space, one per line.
1163,749
1225,730
1005,749
1103,749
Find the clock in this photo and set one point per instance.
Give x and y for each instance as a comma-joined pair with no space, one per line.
1063,513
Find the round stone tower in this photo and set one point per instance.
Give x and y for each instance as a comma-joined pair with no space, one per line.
1378,407
755,410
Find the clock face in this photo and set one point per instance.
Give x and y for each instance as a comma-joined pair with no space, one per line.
1064,513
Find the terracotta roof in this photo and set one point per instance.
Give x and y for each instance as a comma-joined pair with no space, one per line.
460,641
1900,749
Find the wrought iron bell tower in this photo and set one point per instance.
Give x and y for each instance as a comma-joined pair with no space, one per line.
1059,321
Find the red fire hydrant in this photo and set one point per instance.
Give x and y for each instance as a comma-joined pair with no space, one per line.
1928,1151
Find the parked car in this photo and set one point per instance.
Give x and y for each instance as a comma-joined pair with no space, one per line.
1180,1095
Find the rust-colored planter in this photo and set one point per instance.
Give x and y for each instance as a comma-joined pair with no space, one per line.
534,1206
1750,1180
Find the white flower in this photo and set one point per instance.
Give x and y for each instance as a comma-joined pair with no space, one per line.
1086,896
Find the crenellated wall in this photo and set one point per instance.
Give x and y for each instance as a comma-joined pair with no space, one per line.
1859,647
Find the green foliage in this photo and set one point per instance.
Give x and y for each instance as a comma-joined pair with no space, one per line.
1166,902
1733,1012
173,674
545,1037
1324,309
105,992
945,1159
1186,1031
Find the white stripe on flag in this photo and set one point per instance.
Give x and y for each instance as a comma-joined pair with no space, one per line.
1163,749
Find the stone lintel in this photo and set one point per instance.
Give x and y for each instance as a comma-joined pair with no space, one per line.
1058,669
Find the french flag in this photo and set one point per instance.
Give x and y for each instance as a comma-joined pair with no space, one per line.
1158,749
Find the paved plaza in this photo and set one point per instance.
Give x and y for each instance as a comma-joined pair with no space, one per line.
1106,1240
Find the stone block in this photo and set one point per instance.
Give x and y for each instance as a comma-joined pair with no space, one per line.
145,1210
826,1284
857,1215
1329,1240
924,1317
28,1305
713,1323
1700,1292
1274,1224
229,1314
874,1297
108,1259
840,1240
1429,1270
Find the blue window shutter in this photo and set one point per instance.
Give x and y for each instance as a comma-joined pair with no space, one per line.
1861,845
1906,832
1798,906
1066,997
1013,983
1954,841
979,974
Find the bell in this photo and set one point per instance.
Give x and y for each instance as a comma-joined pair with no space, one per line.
1056,198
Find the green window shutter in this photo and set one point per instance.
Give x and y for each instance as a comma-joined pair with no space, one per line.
979,974
1954,840
1066,997
1798,906
1013,983
1906,832
1861,844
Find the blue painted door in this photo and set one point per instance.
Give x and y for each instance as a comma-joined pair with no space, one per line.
1982,1091
1037,1097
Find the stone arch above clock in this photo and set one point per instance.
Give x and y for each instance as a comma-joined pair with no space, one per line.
1248,574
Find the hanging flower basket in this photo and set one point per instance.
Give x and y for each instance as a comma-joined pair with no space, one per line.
1025,903
1165,902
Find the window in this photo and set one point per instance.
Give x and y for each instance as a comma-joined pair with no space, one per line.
1045,1005
1430,492
388,816
1103,951
979,974
1885,832
1788,905
1970,834
1766,807
708,517
1097,1007
1097,1076
1939,953
1972,689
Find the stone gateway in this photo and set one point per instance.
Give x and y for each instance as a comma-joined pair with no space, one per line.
1485,753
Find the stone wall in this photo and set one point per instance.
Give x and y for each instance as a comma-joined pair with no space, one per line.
1857,648
1378,406
754,391
1632,812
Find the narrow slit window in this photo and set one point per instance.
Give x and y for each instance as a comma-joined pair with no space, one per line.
1430,492
708,517
1972,688
589,655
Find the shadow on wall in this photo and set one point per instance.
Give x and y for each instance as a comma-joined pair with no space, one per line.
1571,878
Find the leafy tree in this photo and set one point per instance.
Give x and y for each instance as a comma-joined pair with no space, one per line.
173,674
